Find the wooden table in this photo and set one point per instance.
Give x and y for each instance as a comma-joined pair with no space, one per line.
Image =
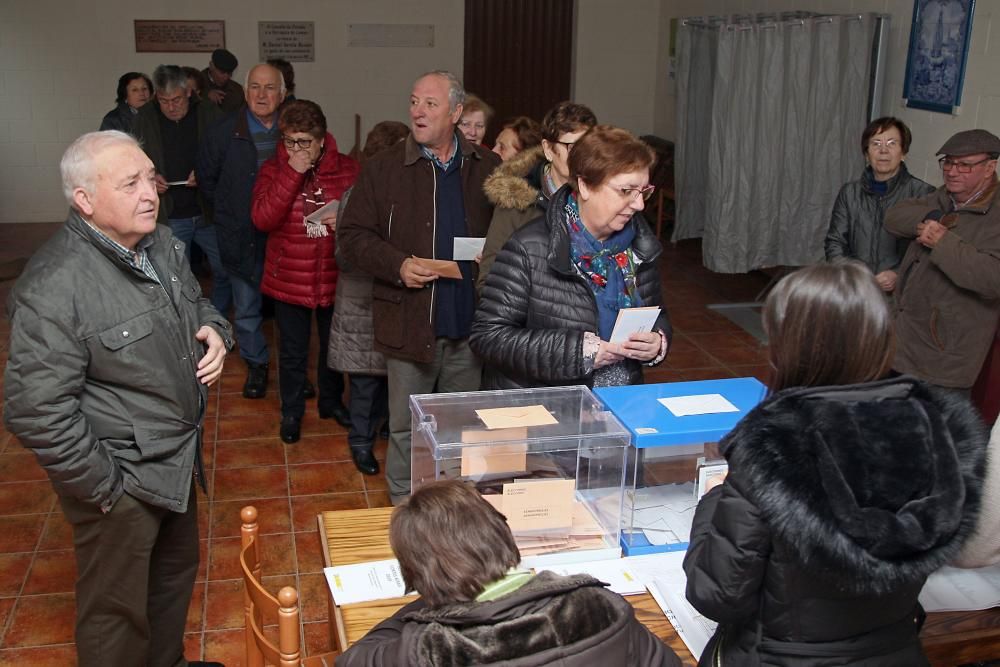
356,536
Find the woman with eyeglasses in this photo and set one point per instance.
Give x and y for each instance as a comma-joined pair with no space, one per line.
550,302
476,116
521,187
856,230
300,272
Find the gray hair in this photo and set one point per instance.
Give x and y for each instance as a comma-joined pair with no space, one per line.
78,166
281,77
169,77
456,91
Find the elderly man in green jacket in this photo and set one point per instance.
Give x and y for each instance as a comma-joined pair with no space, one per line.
112,351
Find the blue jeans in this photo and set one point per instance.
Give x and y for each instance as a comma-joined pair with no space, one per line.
248,321
188,230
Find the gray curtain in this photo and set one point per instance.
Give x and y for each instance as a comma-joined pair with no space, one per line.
770,110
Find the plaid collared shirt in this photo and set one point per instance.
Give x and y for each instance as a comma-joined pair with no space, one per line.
139,259
429,154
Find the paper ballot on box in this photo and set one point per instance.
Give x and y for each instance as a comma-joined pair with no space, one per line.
516,417
542,506
467,248
363,582
506,452
702,404
324,211
633,320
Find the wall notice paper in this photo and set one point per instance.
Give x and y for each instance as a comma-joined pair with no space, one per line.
363,582
539,505
615,572
702,404
953,589
444,268
633,320
467,248
528,415
327,210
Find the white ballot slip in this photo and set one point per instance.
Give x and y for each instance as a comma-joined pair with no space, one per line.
363,582
184,182
633,320
692,627
954,589
467,247
702,404
614,572
324,211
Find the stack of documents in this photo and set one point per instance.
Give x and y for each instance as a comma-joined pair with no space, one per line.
952,589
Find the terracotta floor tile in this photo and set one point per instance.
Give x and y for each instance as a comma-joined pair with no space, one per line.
224,605
662,373
306,508
20,533
678,359
313,425
44,656
13,570
52,572
249,453
20,465
57,534
250,426
196,610
193,645
26,498
317,638
313,592
273,516
309,552
276,556
261,482
202,560
317,449
40,620
740,355
760,371
312,478
379,499
6,606
706,374
226,647
376,482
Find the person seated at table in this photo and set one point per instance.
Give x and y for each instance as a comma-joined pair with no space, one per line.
458,553
846,489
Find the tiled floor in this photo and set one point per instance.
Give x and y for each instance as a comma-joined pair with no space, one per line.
289,484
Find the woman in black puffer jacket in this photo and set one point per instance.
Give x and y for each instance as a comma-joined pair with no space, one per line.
550,301
845,491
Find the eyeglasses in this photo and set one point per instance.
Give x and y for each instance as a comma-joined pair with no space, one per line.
634,193
568,144
296,144
887,144
469,125
963,167
175,101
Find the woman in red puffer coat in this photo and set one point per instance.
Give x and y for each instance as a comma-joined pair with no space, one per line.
300,272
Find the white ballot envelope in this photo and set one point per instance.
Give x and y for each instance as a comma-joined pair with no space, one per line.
634,320
467,248
324,211
702,404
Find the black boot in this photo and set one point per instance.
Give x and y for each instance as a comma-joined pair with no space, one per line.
336,411
256,384
364,460
309,390
291,429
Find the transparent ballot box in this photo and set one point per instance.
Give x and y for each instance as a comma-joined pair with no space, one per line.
674,457
552,460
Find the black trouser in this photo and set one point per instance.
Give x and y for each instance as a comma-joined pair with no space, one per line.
369,406
294,328
137,565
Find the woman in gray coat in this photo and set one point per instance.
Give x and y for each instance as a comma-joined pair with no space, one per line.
856,229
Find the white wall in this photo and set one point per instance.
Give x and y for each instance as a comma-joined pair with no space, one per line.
981,93
60,62
616,61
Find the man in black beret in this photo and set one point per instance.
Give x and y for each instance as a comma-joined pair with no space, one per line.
948,291
222,90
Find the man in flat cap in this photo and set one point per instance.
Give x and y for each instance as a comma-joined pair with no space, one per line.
948,291
222,90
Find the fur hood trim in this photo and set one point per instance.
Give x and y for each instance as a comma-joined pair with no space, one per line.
510,186
880,482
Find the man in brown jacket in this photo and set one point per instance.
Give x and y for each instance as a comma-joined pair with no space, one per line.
408,206
948,294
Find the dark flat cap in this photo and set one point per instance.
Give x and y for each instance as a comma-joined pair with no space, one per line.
971,142
225,60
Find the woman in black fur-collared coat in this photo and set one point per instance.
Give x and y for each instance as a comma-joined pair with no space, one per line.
845,491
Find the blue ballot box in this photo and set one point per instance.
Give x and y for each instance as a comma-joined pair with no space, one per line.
675,429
